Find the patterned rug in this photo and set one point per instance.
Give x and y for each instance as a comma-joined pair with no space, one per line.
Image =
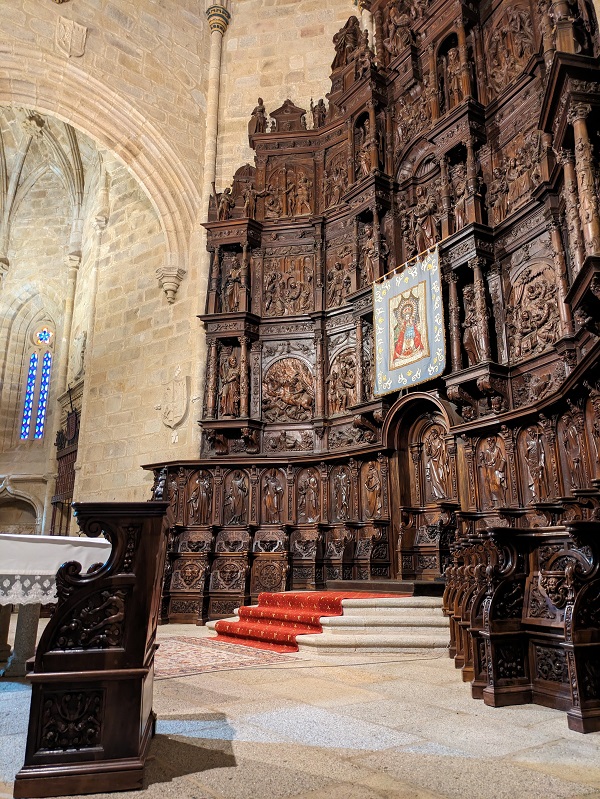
181,656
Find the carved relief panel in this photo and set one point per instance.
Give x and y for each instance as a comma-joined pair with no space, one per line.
273,496
199,502
290,189
509,44
493,474
288,391
308,493
340,494
288,282
235,497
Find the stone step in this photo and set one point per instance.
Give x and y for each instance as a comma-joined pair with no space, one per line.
412,587
324,644
393,606
380,623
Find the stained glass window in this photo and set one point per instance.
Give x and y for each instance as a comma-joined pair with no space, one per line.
29,395
37,387
43,396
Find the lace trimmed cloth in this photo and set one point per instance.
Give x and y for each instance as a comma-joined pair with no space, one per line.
28,564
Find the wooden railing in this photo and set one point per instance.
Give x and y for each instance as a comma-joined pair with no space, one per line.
91,718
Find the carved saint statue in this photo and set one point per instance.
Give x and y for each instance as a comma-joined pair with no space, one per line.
498,196
230,388
399,34
437,467
231,289
250,196
535,460
455,95
493,463
572,444
471,338
345,42
341,494
338,285
319,113
272,497
369,255
373,491
224,205
258,122
235,499
459,179
308,504
424,220
302,204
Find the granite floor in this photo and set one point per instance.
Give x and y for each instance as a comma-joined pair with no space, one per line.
357,727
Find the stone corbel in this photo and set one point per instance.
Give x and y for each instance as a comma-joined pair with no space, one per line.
170,277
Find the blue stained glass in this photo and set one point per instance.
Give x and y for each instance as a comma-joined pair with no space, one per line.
43,400
28,408
43,336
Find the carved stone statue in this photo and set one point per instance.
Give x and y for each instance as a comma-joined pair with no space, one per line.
272,497
346,42
235,499
79,347
493,464
229,403
535,460
258,122
308,493
373,491
437,465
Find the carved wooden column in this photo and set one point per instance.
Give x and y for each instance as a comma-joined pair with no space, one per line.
320,356
454,320
560,12
377,241
214,305
355,274
562,284
379,48
434,102
549,430
255,367
219,499
482,92
211,379
351,165
359,361
366,17
373,128
567,160
588,203
254,499
481,310
389,135
445,196
547,31
244,382
245,278
465,69
320,300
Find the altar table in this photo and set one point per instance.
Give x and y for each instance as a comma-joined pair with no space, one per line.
28,566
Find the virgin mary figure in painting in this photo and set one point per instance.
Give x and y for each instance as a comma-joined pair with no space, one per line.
408,341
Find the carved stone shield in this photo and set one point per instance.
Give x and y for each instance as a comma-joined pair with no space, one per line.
70,37
175,401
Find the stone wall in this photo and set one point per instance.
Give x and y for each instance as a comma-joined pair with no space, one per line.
274,49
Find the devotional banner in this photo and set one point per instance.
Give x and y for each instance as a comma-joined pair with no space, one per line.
410,347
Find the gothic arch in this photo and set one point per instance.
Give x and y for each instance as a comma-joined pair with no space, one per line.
102,114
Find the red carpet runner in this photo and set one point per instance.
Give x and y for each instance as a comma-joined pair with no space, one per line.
278,618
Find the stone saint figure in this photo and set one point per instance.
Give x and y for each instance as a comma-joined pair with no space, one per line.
493,463
273,497
437,467
229,402
235,498
309,498
535,460
373,489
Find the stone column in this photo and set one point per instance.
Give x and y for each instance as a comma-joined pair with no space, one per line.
25,638
562,284
481,310
567,160
454,319
218,20
465,70
588,203
244,382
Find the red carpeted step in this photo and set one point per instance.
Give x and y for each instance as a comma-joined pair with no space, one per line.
278,618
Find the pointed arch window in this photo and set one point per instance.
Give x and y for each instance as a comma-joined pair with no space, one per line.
37,386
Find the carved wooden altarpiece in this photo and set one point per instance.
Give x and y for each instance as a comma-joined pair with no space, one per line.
471,125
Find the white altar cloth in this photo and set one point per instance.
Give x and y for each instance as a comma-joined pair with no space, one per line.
28,564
